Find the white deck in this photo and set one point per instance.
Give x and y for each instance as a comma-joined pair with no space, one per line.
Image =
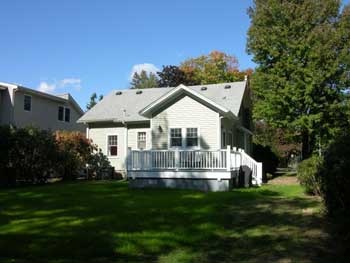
191,164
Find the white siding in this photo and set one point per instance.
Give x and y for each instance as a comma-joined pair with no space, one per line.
132,137
98,134
186,112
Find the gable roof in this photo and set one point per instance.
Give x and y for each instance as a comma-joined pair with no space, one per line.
58,98
132,107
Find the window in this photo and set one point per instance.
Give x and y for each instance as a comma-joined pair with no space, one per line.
191,137
27,103
60,113
141,140
112,145
175,137
67,115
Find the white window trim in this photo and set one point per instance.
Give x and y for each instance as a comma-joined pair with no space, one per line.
107,150
183,138
137,139
31,102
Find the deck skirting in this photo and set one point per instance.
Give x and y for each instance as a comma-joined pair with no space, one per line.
196,180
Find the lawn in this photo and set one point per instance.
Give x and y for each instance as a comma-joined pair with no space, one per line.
107,222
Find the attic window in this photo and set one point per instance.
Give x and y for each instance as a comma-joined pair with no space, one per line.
118,93
227,86
203,88
139,92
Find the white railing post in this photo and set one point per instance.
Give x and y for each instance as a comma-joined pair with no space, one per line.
128,160
177,159
259,174
142,163
228,158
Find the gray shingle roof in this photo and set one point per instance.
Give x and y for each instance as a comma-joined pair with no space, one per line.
126,107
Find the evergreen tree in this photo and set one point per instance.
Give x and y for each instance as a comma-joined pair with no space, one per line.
302,49
93,100
144,80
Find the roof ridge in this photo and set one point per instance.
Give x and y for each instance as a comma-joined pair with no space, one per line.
190,86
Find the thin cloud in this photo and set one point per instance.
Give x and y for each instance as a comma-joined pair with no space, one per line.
148,67
46,87
68,83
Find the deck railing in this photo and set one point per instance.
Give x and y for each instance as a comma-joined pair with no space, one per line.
224,159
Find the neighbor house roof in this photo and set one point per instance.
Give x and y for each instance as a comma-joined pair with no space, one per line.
132,105
59,98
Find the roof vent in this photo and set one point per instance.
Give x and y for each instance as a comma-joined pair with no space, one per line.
203,88
118,93
139,92
227,86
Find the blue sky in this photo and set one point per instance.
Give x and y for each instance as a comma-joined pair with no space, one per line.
81,46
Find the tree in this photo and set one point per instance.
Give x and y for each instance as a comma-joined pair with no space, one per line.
144,80
172,76
93,101
216,67
302,52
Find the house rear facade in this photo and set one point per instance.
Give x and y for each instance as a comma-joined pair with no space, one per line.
21,106
193,118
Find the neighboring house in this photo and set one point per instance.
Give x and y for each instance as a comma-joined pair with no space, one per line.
20,107
170,136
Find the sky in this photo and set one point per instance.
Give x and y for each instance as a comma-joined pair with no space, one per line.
86,46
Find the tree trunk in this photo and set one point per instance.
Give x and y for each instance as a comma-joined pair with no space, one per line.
305,145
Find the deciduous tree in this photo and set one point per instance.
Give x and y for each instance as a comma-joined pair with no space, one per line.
216,67
302,49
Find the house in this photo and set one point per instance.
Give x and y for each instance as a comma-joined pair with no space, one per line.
185,136
21,106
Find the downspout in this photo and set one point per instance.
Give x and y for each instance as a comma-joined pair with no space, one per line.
125,142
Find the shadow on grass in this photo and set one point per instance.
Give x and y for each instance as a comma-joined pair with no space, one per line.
104,221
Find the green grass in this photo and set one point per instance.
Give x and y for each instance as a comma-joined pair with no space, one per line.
107,222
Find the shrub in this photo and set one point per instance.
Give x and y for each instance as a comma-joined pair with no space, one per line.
307,175
335,176
75,151
265,155
30,155
99,165
6,140
33,154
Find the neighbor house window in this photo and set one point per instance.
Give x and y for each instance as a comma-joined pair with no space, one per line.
192,137
112,145
27,103
175,137
60,113
141,140
67,114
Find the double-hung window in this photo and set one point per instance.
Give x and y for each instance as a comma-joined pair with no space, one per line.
67,114
60,113
184,137
192,137
175,137
63,114
112,143
27,103
141,140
